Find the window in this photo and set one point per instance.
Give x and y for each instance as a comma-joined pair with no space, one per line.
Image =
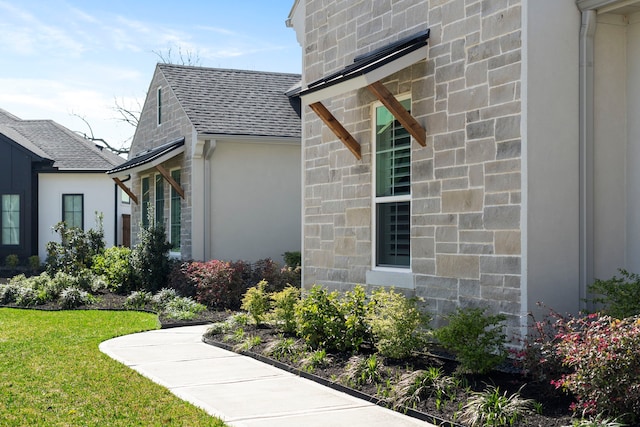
176,214
10,219
392,190
146,200
159,195
73,210
159,96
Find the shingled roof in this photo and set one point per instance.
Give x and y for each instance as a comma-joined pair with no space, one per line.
52,141
235,102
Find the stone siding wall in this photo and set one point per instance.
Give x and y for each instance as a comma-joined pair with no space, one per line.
466,184
175,124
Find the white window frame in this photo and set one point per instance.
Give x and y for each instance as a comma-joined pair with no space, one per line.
399,276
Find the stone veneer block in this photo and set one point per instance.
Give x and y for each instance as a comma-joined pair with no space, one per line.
507,242
458,266
462,200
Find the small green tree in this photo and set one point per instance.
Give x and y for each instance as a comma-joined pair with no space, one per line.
150,257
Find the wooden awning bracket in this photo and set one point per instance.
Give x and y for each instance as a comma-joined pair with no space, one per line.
399,112
337,128
170,180
126,189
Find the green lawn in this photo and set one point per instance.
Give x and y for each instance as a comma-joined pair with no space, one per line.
53,374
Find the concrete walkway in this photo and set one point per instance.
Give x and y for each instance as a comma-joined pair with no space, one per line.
240,390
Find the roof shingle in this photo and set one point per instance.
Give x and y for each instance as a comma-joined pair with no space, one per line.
235,102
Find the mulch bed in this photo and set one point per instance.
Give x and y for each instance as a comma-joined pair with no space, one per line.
555,405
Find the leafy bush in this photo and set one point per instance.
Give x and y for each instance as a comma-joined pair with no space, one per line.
114,264
396,323
150,257
620,296
76,248
8,293
292,258
284,309
138,299
354,307
218,284
179,280
26,296
490,408
537,356
603,354
165,295
73,297
319,319
256,301
182,308
12,261
477,340
33,262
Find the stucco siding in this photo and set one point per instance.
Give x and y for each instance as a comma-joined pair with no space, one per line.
255,200
99,193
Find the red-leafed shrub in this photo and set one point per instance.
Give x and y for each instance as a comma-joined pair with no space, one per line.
603,354
219,284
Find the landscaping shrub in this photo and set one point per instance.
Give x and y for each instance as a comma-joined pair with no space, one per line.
33,262
26,296
76,248
73,297
150,257
354,307
603,354
179,280
182,308
256,302
619,296
8,293
218,284
138,299
537,357
319,319
477,340
397,324
114,264
292,259
12,261
284,309
160,300
269,271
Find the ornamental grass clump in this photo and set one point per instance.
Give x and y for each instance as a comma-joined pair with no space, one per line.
603,354
490,408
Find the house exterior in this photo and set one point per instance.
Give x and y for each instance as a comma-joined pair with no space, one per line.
216,158
473,153
49,174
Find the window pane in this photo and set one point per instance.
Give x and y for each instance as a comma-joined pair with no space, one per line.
10,219
393,154
393,243
145,201
72,211
159,199
176,213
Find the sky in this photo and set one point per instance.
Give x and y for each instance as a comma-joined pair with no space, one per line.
73,61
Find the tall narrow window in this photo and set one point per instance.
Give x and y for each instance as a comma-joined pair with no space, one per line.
159,96
159,199
392,190
10,219
146,200
73,210
176,213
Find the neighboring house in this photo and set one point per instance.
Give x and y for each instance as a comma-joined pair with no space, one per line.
216,158
506,172
49,174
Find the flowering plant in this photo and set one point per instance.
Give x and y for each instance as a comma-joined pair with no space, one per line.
603,354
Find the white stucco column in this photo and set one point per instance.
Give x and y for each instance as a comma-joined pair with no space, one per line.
633,150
